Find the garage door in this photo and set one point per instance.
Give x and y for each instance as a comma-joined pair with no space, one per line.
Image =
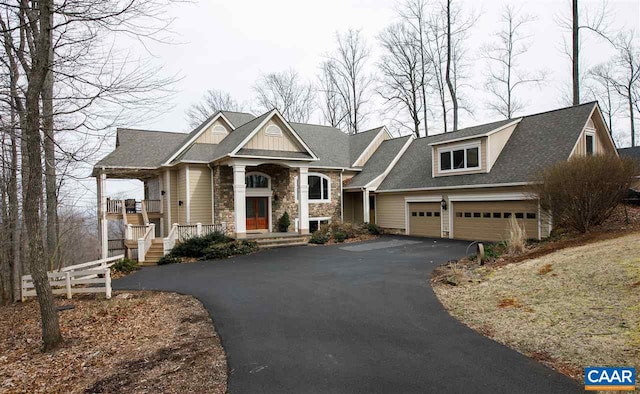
489,221
424,219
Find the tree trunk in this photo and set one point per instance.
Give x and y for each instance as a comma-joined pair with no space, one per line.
575,56
452,90
50,164
14,220
633,125
422,76
32,194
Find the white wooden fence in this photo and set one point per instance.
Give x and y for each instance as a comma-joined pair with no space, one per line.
186,231
144,242
63,281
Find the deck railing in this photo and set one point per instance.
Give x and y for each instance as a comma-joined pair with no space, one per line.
153,206
186,231
135,232
144,243
114,206
170,241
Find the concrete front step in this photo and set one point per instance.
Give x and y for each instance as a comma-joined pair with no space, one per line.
266,241
282,244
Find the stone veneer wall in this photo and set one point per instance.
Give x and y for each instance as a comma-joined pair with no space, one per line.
282,185
223,196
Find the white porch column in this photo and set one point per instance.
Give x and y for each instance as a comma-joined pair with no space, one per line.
365,206
103,234
303,200
239,201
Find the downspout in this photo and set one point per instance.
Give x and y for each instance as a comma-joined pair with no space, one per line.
341,198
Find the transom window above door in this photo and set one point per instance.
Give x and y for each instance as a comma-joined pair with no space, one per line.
257,181
459,158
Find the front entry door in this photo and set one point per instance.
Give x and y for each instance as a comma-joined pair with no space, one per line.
257,212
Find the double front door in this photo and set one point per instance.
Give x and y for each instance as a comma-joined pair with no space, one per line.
257,213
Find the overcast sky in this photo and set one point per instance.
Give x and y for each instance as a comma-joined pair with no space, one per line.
228,45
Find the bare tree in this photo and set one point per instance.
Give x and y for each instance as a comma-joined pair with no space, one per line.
294,98
332,110
596,21
414,14
437,48
351,78
627,84
212,101
400,73
452,90
504,74
601,88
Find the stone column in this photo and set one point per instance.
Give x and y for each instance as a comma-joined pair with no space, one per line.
303,200
103,234
239,201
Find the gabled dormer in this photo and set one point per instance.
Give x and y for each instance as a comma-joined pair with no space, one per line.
471,154
595,137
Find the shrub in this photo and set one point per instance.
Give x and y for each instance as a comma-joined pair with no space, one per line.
582,192
372,228
340,236
169,259
492,251
229,249
319,237
517,242
195,246
125,266
284,222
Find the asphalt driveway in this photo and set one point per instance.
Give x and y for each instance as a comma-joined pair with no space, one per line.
355,318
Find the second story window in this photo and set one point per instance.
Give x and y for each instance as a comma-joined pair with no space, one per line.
461,158
590,141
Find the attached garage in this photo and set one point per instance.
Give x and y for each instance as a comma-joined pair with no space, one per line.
424,219
489,220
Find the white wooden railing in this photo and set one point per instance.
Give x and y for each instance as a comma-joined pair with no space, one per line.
153,206
186,231
63,281
144,243
136,231
170,241
115,206
143,210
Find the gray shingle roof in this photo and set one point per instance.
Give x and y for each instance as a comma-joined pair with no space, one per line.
359,142
632,153
141,148
538,140
238,118
378,162
329,144
274,153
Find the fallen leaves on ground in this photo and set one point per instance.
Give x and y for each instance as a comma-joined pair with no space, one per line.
586,312
144,342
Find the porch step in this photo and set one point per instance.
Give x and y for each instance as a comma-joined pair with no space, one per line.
135,219
276,242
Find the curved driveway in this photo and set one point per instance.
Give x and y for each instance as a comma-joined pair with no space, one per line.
329,320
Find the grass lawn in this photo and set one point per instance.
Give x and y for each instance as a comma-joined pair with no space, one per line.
146,342
572,308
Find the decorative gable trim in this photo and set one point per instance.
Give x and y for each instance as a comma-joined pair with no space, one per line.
203,127
272,114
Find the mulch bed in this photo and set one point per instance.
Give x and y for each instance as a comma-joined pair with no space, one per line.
135,342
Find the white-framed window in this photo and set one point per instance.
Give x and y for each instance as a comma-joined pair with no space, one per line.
314,223
319,188
219,129
257,180
590,142
273,131
459,158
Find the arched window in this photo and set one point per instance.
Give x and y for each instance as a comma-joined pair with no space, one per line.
257,181
219,129
273,131
319,188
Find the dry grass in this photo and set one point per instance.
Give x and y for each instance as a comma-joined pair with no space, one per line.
517,242
586,312
152,342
